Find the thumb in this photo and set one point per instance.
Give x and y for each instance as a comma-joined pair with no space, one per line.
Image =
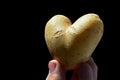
56,72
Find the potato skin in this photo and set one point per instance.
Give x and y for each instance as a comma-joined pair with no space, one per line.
73,44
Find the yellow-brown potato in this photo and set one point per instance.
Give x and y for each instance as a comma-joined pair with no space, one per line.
73,44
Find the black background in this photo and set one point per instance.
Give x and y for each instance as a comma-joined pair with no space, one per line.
26,55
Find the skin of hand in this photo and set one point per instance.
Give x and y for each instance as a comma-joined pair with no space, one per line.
86,71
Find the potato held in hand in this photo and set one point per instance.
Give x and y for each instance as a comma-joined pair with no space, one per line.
73,44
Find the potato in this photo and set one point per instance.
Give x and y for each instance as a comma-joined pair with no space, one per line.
73,44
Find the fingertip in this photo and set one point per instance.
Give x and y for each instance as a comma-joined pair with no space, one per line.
52,65
84,72
94,68
93,65
55,71
52,62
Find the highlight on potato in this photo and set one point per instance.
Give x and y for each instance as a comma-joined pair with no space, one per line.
73,44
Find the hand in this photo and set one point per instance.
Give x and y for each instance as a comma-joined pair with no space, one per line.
86,71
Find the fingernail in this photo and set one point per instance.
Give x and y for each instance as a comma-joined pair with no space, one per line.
52,66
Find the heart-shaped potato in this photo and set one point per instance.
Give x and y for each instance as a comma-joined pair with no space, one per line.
73,44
